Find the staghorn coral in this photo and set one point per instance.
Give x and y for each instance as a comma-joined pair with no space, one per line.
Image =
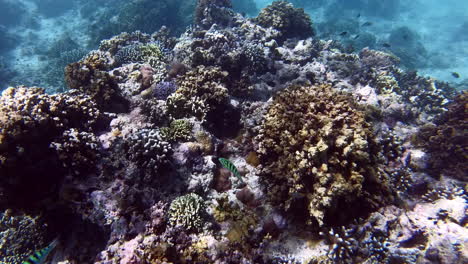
187,212
289,21
446,141
30,121
200,91
148,149
20,236
317,148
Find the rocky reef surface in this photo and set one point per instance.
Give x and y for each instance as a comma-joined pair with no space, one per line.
334,157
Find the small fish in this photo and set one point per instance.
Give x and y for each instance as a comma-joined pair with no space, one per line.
343,33
455,75
358,15
40,256
386,45
357,36
228,165
366,24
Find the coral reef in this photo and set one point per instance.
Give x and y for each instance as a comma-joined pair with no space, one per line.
30,122
331,166
209,12
446,140
200,92
179,129
20,236
289,21
163,90
89,77
148,149
187,212
150,53
315,146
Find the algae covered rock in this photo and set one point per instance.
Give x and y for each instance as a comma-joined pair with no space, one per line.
318,153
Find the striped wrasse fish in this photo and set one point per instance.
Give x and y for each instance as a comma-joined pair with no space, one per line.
40,256
228,165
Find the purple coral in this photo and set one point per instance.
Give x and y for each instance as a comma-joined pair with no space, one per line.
162,90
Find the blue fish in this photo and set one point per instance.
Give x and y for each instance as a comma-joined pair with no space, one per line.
41,255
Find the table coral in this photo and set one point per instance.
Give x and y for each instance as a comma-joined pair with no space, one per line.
315,145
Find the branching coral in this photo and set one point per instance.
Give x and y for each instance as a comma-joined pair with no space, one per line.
187,212
447,141
150,53
77,150
148,149
90,77
179,129
201,90
30,121
315,146
289,21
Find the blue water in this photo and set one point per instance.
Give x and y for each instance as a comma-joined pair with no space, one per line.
40,37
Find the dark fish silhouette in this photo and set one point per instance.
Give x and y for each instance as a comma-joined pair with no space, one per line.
358,15
343,33
455,75
366,24
357,36
386,45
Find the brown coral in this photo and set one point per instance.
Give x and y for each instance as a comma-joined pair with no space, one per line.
317,149
447,141
30,120
90,77
200,91
289,21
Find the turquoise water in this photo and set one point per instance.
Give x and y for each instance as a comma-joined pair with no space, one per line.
39,37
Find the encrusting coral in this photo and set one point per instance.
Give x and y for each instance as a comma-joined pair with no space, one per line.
314,145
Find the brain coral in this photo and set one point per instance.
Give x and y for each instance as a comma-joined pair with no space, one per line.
317,150
289,21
